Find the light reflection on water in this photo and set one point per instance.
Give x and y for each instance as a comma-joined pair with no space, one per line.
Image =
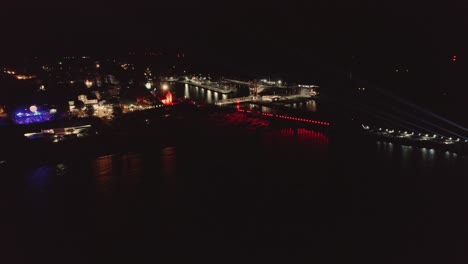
406,155
201,94
310,105
209,96
186,91
131,164
265,109
168,158
302,142
423,159
126,197
118,180
39,185
103,171
169,189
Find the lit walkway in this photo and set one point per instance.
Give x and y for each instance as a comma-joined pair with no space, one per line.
208,87
237,100
261,99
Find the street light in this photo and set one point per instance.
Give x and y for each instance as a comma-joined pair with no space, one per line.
88,83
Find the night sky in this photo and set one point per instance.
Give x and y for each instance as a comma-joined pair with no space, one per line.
277,36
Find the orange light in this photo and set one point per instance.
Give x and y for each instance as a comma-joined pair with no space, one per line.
168,99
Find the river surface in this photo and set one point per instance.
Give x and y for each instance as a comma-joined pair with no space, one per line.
277,195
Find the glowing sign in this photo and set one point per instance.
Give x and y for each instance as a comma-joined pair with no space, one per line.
168,99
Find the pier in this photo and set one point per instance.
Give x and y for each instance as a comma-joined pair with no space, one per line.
212,87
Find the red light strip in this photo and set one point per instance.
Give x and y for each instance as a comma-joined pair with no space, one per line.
290,118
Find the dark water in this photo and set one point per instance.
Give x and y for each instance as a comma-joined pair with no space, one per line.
275,196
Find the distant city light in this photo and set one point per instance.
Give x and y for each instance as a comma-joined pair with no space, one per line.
165,87
25,77
88,83
148,85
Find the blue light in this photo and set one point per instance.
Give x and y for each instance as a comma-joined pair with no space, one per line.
33,117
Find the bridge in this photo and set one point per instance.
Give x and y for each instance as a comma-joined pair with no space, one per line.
238,82
212,86
215,87
260,84
236,100
257,88
262,99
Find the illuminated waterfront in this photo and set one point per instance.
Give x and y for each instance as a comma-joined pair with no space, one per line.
228,133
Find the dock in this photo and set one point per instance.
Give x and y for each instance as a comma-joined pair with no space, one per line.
213,88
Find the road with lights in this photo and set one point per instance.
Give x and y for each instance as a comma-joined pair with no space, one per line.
209,86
